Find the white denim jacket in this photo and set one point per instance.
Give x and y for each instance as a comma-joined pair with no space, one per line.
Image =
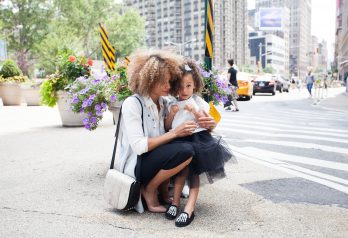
131,139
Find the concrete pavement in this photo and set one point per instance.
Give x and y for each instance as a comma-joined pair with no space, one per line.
52,181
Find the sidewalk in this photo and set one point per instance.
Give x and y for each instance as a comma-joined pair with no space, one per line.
339,102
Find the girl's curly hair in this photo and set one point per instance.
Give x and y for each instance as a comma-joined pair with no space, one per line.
150,67
196,75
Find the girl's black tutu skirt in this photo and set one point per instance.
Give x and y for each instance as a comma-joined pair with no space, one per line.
211,154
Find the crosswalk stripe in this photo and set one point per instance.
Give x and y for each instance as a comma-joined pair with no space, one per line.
300,145
221,129
285,130
276,165
256,152
333,113
257,121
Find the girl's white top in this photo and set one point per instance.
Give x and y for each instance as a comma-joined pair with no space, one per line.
184,115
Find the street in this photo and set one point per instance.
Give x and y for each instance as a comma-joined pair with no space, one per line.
291,179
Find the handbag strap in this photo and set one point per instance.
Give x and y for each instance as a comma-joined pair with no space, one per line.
116,139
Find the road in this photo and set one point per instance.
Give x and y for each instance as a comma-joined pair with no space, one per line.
289,134
290,180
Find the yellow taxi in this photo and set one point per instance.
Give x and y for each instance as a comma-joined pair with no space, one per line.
245,84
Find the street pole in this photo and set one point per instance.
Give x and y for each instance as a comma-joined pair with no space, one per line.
260,54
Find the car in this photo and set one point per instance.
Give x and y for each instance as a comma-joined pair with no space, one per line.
245,85
283,84
264,84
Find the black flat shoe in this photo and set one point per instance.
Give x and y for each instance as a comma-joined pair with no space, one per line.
172,212
184,219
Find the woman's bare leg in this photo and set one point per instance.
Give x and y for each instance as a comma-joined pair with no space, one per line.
178,185
193,195
150,191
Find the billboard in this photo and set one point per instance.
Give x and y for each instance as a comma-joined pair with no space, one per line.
271,19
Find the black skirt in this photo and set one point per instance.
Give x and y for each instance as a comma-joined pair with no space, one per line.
210,154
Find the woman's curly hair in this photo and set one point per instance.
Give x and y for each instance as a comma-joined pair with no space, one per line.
196,75
150,67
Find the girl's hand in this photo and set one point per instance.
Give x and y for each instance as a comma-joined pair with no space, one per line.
206,121
185,129
174,109
190,108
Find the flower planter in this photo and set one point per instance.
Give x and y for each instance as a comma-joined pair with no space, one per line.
115,107
69,118
11,94
31,95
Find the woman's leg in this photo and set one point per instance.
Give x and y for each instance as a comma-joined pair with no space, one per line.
163,190
193,195
150,191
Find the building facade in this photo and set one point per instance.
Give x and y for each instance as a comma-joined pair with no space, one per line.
270,49
299,37
341,41
180,24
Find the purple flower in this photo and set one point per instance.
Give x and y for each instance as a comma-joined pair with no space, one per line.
81,79
103,105
206,74
84,91
84,103
99,113
88,126
96,81
113,98
85,121
92,97
93,120
75,99
89,102
97,107
90,114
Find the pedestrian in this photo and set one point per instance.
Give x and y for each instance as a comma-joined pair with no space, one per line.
309,81
149,74
211,152
298,84
233,83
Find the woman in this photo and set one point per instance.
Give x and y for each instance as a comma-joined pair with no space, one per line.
149,74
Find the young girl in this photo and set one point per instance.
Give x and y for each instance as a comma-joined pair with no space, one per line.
211,152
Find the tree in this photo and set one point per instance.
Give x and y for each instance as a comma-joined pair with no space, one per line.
25,24
127,31
82,18
269,70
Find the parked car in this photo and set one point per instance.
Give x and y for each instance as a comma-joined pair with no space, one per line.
264,84
279,82
286,84
245,84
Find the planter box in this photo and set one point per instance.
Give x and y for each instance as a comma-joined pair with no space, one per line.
11,94
31,95
115,109
69,118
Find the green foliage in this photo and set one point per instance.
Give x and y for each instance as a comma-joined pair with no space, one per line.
247,68
120,84
10,69
269,70
14,79
48,91
25,25
126,32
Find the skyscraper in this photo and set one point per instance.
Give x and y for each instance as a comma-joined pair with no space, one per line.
299,32
180,23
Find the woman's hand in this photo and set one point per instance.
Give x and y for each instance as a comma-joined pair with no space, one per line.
185,129
207,121
190,108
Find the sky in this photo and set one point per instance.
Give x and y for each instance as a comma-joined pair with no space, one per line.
323,21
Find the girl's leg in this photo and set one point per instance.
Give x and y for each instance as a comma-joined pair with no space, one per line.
163,189
150,191
193,195
178,185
